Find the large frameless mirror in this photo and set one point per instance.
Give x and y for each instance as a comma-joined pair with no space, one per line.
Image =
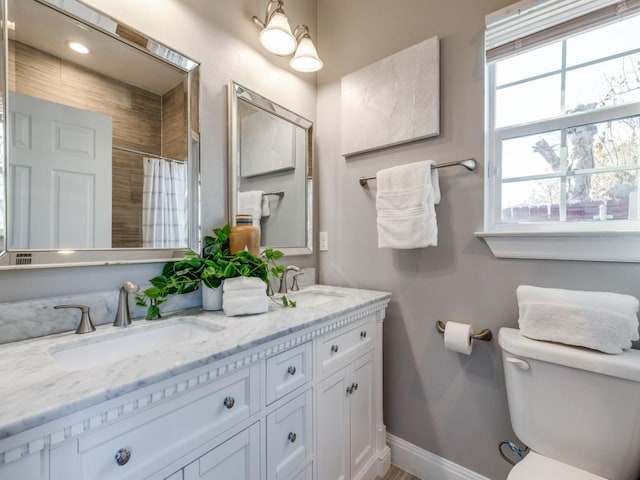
101,158
270,158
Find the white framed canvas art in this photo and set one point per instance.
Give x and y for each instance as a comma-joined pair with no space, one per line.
393,101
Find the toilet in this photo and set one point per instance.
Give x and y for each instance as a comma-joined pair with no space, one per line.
576,409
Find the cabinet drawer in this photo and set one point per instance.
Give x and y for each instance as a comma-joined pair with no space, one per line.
288,370
341,348
289,438
155,437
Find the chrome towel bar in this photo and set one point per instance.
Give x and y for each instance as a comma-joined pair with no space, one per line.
469,164
278,193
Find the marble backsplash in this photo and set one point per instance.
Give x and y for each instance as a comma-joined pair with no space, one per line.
37,318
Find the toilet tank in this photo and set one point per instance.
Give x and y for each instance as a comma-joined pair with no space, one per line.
575,405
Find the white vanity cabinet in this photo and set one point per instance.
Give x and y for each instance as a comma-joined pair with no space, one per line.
30,467
346,405
238,458
305,404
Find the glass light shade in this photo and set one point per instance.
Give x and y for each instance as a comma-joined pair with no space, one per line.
306,57
277,37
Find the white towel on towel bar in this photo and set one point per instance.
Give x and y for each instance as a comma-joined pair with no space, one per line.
251,203
405,204
601,321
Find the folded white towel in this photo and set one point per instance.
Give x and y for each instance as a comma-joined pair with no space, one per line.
251,203
242,283
249,292
405,204
601,321
244,305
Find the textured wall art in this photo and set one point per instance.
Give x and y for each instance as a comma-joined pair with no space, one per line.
393,101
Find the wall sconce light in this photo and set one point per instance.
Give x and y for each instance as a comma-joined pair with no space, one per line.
276,36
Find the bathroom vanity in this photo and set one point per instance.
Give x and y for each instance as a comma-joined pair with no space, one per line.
289,394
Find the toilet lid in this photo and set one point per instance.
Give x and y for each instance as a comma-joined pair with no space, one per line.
536,467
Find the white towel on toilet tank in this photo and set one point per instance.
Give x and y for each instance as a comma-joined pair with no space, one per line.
405,204
601,321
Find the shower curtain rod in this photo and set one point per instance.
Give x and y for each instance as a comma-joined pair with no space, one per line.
140,152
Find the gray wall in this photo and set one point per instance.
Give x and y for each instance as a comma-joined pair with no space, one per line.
449,404
221,35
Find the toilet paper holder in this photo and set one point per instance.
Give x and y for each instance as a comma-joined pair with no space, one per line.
484,334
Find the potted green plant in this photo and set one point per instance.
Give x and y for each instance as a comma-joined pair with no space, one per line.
208,271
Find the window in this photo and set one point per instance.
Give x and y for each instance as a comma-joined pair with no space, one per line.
563,118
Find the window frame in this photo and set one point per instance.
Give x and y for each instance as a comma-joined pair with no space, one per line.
604,241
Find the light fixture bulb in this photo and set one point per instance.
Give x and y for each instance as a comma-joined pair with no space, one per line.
306,57
277,37
78,47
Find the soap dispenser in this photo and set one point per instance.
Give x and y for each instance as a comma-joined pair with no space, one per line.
244,236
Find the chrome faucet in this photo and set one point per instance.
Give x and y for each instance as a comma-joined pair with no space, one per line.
283,278
123,317
85,325
294,286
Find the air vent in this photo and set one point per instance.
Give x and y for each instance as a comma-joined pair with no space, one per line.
23,259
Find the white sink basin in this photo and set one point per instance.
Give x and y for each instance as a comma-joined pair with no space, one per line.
128,343
314,298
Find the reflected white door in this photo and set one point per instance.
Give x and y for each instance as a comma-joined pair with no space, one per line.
59,176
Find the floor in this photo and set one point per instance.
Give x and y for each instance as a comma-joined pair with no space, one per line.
395,473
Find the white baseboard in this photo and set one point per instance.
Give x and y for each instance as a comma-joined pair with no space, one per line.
426,465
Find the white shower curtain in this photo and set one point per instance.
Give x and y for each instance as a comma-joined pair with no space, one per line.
164,204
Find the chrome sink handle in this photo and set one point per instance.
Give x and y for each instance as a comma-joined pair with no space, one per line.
123,317
295,287
85,325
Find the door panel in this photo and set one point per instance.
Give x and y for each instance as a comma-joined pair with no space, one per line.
65,200
333,427
362,412
237,458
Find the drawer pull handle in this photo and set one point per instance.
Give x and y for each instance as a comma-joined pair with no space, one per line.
291,370
334,348
229,402
292,437
350,390
363,334
123,456
355,386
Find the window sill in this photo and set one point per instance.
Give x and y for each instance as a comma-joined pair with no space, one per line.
621,246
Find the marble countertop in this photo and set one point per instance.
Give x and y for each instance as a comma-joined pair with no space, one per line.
35,389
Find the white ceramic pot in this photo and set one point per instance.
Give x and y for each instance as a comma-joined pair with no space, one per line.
211,297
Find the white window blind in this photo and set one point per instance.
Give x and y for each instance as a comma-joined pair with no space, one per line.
532,23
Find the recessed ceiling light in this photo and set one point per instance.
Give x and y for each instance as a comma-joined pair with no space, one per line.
78,47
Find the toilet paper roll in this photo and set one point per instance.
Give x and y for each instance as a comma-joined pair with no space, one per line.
457,337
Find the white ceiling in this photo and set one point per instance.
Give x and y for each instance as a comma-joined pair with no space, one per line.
48,30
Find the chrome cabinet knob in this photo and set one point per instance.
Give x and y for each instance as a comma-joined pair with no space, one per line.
363,334
291,370
123,456
334,348
292,437
229,402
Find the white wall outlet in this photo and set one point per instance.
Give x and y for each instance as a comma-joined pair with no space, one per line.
324,241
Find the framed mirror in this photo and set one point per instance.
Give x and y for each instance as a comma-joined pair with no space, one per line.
271,170
100,141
